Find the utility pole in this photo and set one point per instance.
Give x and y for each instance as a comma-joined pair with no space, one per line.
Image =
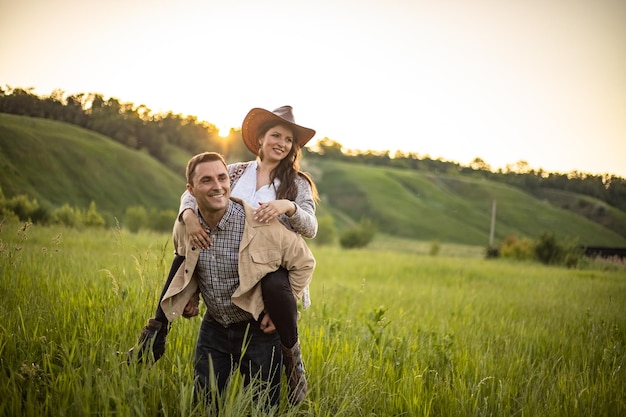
493,223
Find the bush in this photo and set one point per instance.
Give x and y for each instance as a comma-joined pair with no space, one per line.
358,236
29,210
25,209
135,218
22,206
547,249
519,249
435,248
40,215
67,216
93,218
492,252
8,216
326,231
162,221
572,254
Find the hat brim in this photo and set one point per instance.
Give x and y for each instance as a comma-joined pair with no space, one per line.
258,116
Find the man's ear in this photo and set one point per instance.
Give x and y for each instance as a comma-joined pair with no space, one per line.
190,189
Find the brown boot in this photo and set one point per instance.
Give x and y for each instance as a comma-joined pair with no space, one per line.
294,369
152,338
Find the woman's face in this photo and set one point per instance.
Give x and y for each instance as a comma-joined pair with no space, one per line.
276,144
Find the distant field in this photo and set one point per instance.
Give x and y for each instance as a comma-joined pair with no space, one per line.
388,243
392,331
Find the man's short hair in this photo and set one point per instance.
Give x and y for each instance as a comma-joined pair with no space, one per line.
200,158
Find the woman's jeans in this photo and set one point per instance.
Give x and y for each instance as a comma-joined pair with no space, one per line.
281,305
244,347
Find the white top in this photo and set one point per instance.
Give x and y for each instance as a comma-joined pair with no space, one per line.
246,188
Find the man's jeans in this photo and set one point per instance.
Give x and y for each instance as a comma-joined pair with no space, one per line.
220,349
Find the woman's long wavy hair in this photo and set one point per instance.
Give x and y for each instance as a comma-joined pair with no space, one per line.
288,168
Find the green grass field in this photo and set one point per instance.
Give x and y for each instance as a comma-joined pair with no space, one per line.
390,333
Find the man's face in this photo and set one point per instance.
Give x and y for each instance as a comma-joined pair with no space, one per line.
211,186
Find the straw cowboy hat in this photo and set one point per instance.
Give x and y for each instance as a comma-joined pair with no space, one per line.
256,117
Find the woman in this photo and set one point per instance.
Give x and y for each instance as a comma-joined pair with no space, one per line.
275,185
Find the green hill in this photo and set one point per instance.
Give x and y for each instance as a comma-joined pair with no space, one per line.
448,208
596,210
59,163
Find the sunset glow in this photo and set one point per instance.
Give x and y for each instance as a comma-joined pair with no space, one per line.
538,81
224,132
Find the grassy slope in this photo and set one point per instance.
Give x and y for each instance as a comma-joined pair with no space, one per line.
59,163
448,208
594,209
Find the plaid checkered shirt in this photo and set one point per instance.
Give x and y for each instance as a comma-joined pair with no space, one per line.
217,267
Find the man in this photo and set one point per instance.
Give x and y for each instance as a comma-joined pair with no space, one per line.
234,332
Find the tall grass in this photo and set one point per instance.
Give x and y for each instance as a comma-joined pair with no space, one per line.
389,333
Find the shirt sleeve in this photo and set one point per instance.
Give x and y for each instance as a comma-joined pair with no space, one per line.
304,220
187,201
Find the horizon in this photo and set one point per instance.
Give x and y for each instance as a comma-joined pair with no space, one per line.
349,151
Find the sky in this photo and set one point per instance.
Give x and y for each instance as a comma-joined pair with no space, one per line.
541,81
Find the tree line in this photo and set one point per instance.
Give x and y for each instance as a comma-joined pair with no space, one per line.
134,126
137,127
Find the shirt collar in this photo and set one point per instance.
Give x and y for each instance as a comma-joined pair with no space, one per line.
223,221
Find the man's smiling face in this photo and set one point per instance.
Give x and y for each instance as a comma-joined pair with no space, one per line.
211,187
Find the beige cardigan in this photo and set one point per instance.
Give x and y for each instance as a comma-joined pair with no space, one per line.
264,247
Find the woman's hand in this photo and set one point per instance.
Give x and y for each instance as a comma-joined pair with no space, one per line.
266,212
267,325
198,236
